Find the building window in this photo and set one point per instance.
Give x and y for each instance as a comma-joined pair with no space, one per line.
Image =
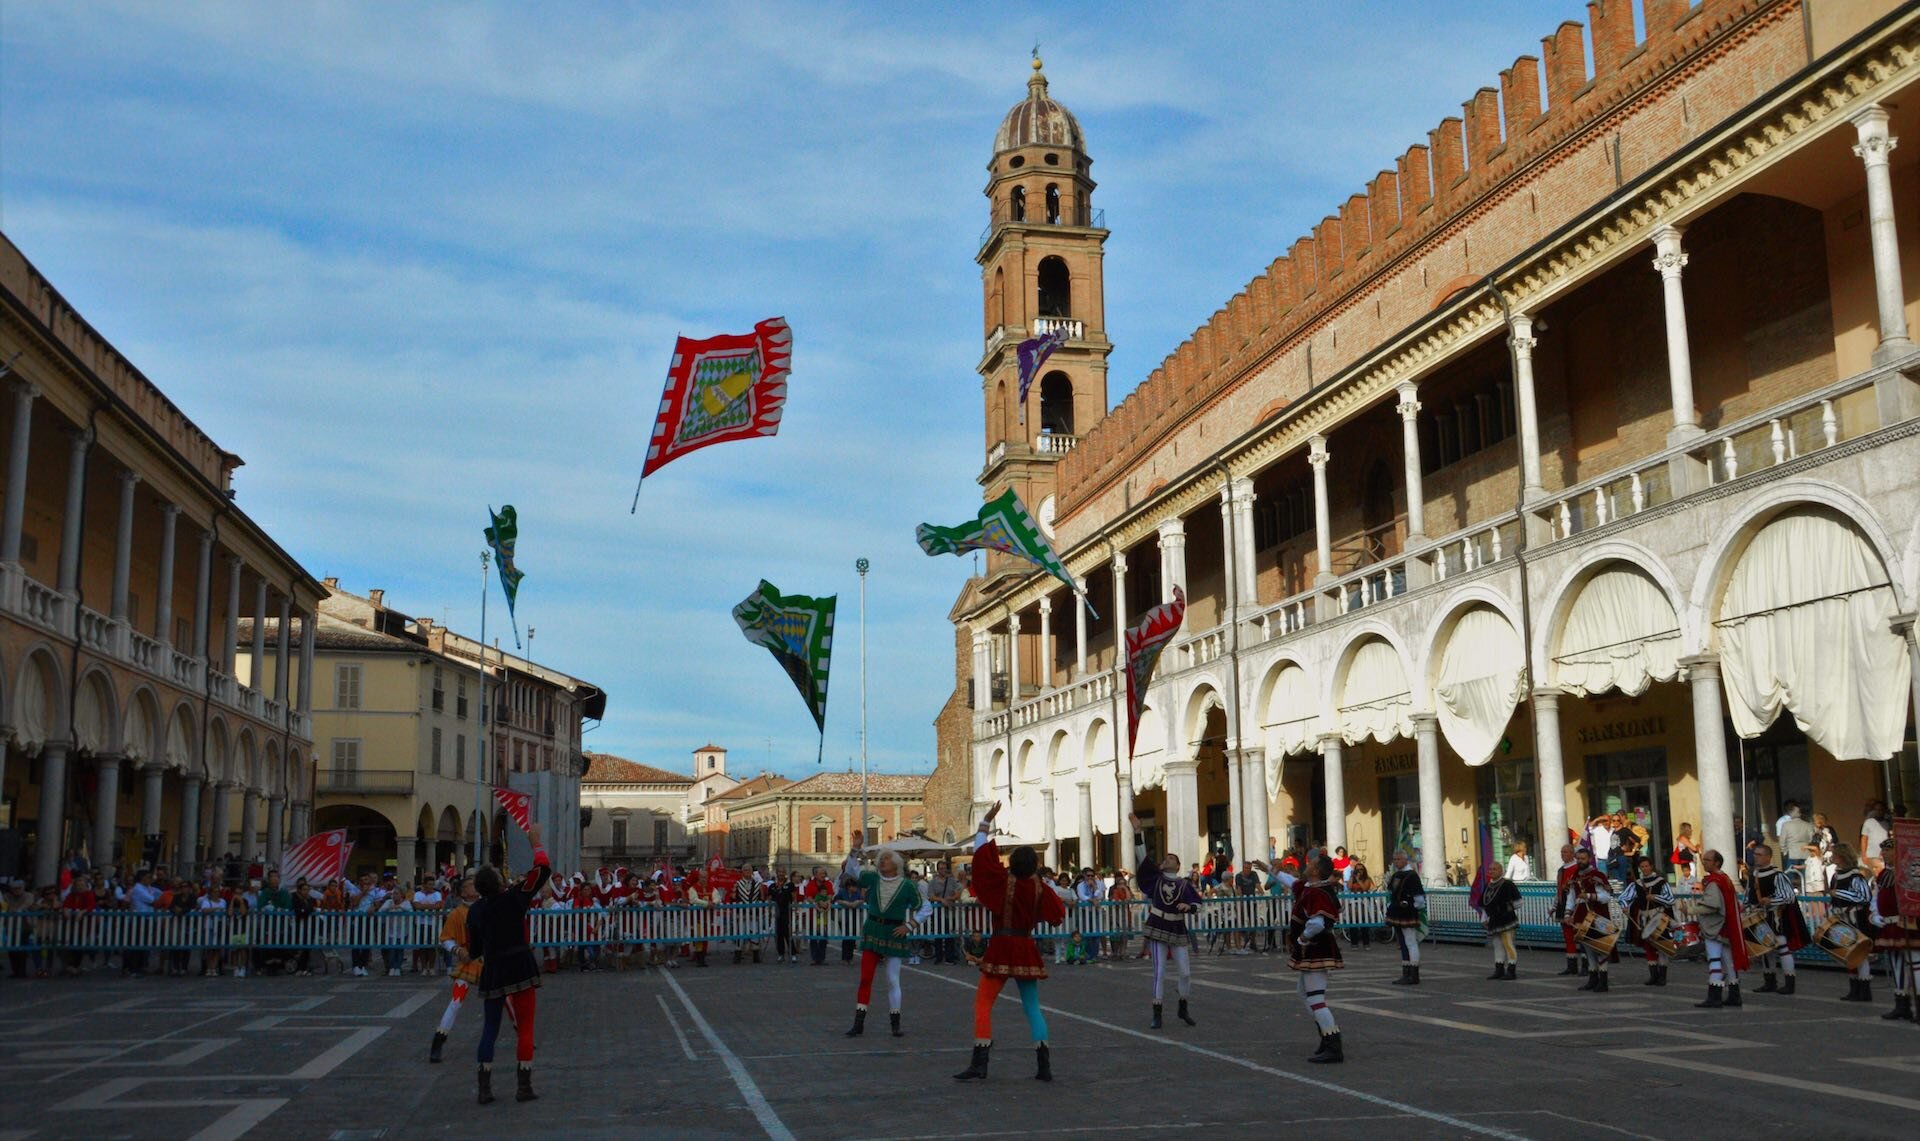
434,764
710,764
460,699
439,691
819,839
346,686
659,835
346,757
619,834
1285,515
1019,203
460,756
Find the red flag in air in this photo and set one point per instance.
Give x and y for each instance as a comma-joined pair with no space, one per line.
518,805
721,878
321,858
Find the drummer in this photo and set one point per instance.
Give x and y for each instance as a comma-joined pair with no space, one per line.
1718,909
1648,898
1897,936
1850,896
1588,905
1769,891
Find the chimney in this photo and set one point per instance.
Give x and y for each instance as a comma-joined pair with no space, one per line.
1520,92
377,597
330,583
425,625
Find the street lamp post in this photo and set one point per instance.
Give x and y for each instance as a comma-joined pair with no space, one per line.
486,698
861,566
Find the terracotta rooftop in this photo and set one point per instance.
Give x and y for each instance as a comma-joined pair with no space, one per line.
605,768
762,783
841,784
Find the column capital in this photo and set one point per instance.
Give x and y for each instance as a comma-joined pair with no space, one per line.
22,388
129,479
1184,767
1120,563
276,798
192,778
1173,532
153,764
1330,741
1669,257
1253,753
1870,123
1701,665
1906,626
206,540
1084,785
1013,623
235,561
81,438
1317,451
1547,696
1236,492
1520,329
1426,723
170,510
1046,604
1409,401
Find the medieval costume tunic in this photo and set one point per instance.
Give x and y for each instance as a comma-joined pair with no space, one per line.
453,937
1770,889
1170,900
510,975
1015,905
1646,900
1576,963
1850,896
1313,950
1500,903
1589,902
1406,906
1897,937
891,902
1717,908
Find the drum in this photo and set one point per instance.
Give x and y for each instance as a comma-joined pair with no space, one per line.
1658,932
1760,937
1597,933
1843,941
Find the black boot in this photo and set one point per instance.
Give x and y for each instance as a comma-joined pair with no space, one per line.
1156,1017
859,1022
893,1023
1330,1050
1585,967
700,960
1184,1016
1786,984
486,1085
1602,976
1653,975
1043,1063
524,1091
1406,976
1416,976
439,1041
1513,971
1866,990
1499,971
1573,965
1853,990
1660,975
1593,979
1733,994
977,1069
1715,998
1771,986
1902,1008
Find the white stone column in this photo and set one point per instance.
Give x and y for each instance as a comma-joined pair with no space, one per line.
1119,611
1253,785
257,651
1085,789
1173,557
300,822
14,517
309,627
1410,452
276,829
249,823
1433,846
982,672
230,639
1123,787
1907,626
1334,763
188,847
1046,644
1079,632
49,848
283,648
1322,526
1183,812
1048,832
152,797
203,596
1670,259
1013,668
123,546
1236,801
1520,338
1236,519
163,589
1550,773
79,440
1873,148
220,826
1710,757
106,807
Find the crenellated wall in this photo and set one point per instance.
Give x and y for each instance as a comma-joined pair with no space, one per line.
1486,184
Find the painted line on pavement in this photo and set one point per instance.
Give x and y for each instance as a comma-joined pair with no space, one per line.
757,1101
1331,1087
1765,1078
412,1004
675,1023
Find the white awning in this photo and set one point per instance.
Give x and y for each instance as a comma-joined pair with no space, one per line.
1621,633
1292,722
1482,674
1375,700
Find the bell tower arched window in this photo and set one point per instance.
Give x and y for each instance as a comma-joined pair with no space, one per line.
1018,204
1053,204
1055,289
1056,404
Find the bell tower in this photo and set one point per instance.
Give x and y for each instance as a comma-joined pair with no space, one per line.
1040,271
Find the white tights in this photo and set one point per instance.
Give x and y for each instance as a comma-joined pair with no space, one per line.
1409,938
1182,965
1720,970
1503,951
1313,992
453,1007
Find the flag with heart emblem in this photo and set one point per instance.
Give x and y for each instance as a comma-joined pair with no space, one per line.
517,805
320,858
1144,644
729,387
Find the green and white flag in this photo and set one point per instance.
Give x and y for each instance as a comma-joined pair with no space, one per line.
1002,525
502,536
798,631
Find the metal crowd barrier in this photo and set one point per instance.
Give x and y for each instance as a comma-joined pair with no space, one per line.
1449,920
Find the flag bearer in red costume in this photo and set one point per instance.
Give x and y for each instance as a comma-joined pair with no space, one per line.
1896,934
466,971
510,975
1576,963
1312,949
1017,902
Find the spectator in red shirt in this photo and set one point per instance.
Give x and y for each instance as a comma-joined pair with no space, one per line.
79,900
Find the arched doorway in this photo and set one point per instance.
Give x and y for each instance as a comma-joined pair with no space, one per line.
374,839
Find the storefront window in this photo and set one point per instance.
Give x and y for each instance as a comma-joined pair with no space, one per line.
1400,817
1510,810
1633,784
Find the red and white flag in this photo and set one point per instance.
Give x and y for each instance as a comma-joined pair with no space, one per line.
518,805
1144,642
321,858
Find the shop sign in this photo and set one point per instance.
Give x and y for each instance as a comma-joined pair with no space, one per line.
1622,730
1393,764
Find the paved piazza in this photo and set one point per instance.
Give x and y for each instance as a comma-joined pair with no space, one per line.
757,1052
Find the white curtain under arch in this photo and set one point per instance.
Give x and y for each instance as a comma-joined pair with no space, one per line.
1804,627
179,753
1621,633
1482,675
1375,700
1149,753
92,721
140,732
1292,724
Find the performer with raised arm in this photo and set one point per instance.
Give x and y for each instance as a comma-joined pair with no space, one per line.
1406,905
1589,903
1769,888
1312,948
1850,896
509,974
1648,900
466,971
1500,903
894,909
1717,907
1016,903
1896,934
1170,899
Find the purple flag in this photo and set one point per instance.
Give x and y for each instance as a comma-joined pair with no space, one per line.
1479,889
1031,354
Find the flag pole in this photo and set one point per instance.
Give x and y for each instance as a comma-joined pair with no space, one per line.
486,700
861,566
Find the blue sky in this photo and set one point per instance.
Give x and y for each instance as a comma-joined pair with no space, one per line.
409,260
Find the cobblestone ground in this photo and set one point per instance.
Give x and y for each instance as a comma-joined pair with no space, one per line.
757,1051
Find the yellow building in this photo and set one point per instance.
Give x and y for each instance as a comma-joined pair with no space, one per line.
127,566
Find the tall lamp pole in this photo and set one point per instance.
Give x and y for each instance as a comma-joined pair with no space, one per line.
861,566
480,762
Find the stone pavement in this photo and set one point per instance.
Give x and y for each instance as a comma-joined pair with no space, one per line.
757,1051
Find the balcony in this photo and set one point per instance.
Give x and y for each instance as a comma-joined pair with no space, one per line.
1096,220
1054,443
360,782
1075,329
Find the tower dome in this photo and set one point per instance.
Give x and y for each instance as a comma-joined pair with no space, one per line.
1038,121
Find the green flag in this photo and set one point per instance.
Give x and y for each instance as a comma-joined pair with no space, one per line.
798,631
1002,525
501,536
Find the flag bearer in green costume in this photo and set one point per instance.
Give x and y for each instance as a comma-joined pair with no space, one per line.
894,910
